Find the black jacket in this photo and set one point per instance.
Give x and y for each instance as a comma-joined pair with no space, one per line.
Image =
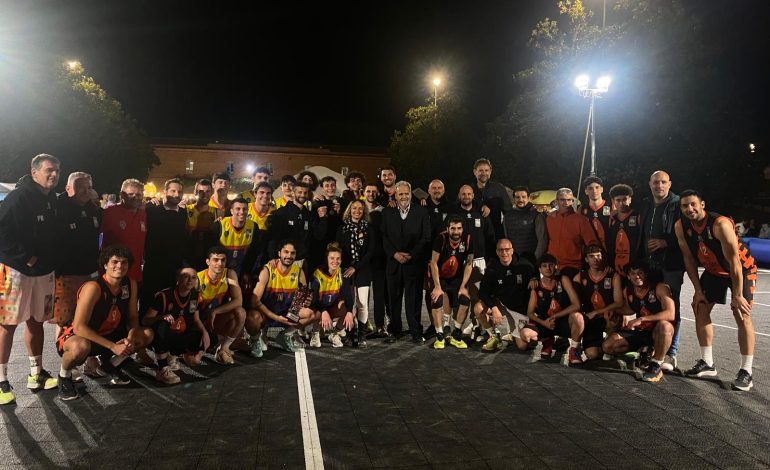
28,228
525,228
411,235
289,223
669,259
494,196
367,245
78,237
480,229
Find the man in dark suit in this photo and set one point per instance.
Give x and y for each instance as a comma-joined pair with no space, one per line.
405,234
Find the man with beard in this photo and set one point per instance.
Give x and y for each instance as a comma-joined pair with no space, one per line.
451,265
598,211
292,222
126,224
405,233
387,196
200,219
163,252
438,206
490,195
272,298
525,226
708,239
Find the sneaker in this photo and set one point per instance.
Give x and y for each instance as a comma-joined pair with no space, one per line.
576,355
547,351
6,393
335,339
315,339
284,342
508,338
653,373
256,348
701,369
167,376
370,326
669,363
93,368
43,380
492,345
67,390
468,328
743,381
77,375
439,344
299,343
118,377
173,363
144,359
458,343
224,356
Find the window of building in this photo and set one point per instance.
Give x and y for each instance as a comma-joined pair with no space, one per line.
344,170
189,167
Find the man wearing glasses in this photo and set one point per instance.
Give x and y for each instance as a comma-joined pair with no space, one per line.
568,233
125,224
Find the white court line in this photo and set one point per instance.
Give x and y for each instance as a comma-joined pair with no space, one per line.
313,457
764,305
726,326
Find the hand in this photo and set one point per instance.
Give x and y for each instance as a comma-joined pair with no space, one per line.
634,324
205,340
392,204
550,323
532,284
168,318
336,207
122,348
740,305
155,201
322,211
484,211
592,315
436,294
655,244
319,197
401,257
699,297
349,272
326,321
348,322
423,202
497,318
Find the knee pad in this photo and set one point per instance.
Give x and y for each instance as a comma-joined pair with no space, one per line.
464,300
438,303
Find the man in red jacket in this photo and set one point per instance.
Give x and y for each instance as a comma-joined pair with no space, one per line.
568,233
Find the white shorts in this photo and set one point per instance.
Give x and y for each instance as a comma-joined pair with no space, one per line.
23,297
480,264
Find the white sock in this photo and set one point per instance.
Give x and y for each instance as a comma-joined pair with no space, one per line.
656,361
458,325
35,364
117,360
573,343
3,372
64,372
227,342
746,363
706,355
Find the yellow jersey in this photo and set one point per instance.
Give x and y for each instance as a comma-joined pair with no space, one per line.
211,294
236,241
329,287
280,287
260,220
199,221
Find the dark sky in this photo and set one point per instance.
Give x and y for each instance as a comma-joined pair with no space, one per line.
322,72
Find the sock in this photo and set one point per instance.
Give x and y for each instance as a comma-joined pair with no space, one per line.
458,325
227,342
573,343
65,372
746,363
652,359
706,355
35,364
117,360
162,363
3,372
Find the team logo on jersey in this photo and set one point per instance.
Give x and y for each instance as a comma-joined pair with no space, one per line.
124,293
122,224
632,222
606,210
227,233
461,248
651,297
519,278
500,281
83,214
435,210
559,288
249,232
608,283
193,306
293,277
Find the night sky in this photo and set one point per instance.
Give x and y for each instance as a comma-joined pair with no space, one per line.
325,73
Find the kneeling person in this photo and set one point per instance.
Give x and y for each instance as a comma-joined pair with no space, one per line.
451,266
553,310
177,326
333,295
106,323
651,302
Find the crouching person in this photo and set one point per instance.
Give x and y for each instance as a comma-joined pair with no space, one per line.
651,302
178,328
333,300
106,323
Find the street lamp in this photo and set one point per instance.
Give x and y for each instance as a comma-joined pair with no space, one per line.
436,83
583,84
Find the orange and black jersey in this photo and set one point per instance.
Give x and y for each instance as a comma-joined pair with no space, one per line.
111,310
550,301
183,309
623,238
707,249
599,218
452,257
644,304
595,292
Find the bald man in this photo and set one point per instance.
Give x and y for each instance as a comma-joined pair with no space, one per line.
660,247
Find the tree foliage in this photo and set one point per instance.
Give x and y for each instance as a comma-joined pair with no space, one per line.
56,108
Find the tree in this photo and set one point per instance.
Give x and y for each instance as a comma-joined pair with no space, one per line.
437,140
56,108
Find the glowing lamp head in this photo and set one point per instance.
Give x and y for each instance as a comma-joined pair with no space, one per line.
73,64
603,83
582,82
436,81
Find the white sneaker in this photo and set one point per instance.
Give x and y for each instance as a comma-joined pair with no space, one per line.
669,363
335,339
508,338
315,339
173,362
167,376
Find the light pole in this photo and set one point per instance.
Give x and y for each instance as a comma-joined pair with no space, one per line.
583,84
436,83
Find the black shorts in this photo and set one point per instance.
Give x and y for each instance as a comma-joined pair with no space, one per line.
593,333
187,342
96,349
451,288
637,339
561,330
715,287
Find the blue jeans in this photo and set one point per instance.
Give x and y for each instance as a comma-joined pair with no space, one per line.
674,279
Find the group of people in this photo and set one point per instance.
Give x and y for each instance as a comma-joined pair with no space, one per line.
216,275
